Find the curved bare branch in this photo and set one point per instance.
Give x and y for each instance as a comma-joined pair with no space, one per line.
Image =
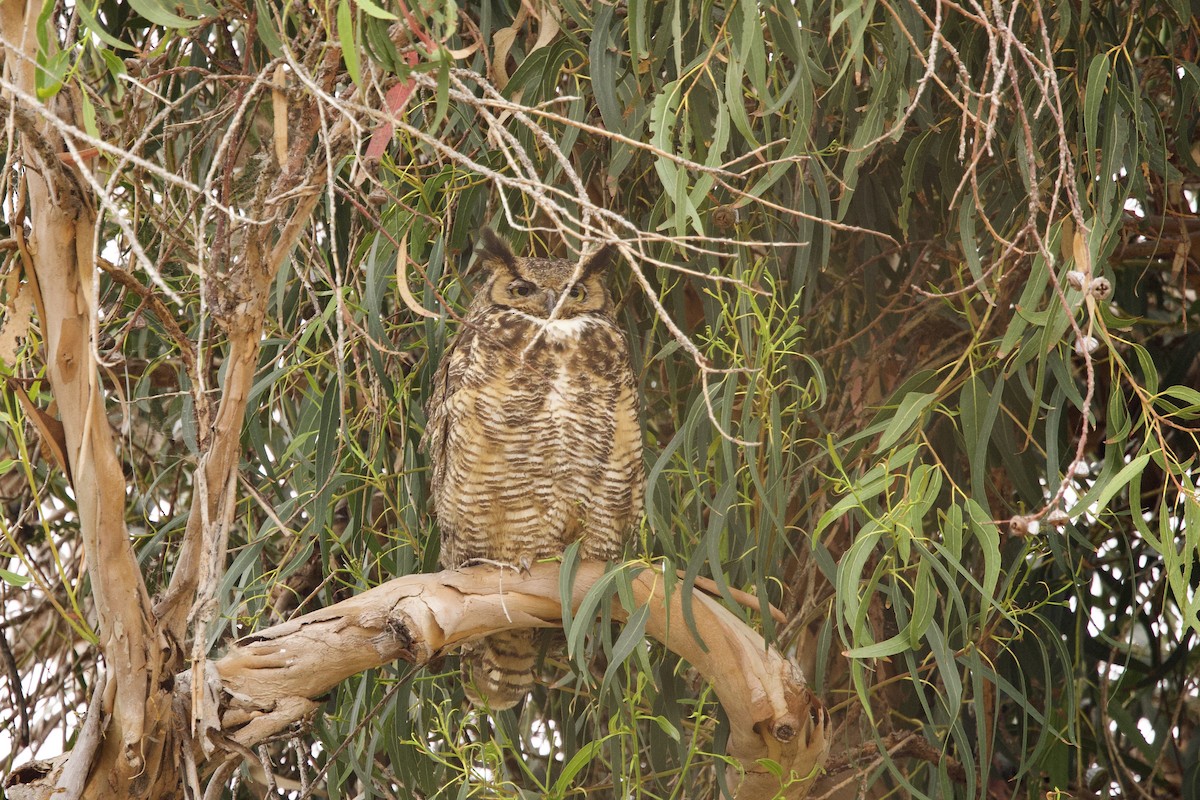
272,676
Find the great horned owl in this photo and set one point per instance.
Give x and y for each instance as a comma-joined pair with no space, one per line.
534,437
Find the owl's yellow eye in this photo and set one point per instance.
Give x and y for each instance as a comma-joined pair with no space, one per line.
577,292
521,288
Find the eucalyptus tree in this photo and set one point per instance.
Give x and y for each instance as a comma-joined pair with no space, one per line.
912,293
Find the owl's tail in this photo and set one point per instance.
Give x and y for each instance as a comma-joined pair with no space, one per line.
497,671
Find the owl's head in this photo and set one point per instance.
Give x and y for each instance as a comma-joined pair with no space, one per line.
535,285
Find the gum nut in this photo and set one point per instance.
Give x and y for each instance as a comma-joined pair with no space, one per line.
1086,344
1076,280
1023,526
1101,288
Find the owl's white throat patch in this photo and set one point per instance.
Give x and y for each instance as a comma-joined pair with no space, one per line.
557,329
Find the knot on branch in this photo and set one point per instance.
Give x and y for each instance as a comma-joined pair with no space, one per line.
401,641
236,297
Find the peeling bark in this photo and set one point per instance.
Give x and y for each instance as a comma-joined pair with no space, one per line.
59,252
238,301
272,676
271,679
137,751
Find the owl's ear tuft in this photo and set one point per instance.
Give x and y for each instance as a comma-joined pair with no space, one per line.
495,250
600,261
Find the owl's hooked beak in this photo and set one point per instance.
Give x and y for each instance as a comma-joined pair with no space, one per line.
551,301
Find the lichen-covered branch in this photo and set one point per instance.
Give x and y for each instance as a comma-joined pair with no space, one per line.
273,676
